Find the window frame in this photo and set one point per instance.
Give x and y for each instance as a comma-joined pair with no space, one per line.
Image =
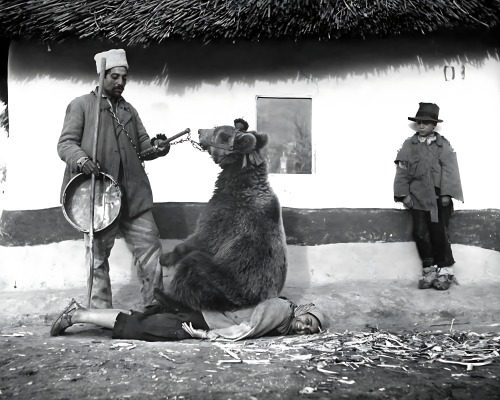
310,133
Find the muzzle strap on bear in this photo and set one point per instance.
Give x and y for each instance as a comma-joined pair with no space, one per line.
229,146
254,158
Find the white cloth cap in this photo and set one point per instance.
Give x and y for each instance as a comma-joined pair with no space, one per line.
114,58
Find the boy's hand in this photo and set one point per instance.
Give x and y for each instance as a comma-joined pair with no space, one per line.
445,201
408,202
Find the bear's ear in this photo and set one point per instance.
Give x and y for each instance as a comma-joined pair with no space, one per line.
262,139
244,143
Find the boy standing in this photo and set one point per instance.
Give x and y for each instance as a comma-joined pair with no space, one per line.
427,178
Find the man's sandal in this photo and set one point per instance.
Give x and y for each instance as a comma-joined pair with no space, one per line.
429,275
63,321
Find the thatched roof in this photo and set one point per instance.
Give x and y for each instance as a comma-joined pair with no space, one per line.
143,22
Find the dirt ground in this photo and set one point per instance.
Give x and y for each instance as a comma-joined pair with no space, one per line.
86,363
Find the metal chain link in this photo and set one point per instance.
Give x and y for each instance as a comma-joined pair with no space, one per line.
195,144
124,130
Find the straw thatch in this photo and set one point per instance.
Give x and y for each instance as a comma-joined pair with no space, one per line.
136,22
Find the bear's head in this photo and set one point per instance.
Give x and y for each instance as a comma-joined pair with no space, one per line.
227,145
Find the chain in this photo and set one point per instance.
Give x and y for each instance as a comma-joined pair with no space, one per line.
124,130
195,144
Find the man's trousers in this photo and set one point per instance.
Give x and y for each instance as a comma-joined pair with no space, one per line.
142,236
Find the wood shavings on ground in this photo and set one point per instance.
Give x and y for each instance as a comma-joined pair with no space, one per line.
17,334
122,345
307,390
169,358
376,348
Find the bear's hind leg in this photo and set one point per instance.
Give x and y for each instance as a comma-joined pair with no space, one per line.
181,250
201,284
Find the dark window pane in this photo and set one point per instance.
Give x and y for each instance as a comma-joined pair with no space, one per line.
287,121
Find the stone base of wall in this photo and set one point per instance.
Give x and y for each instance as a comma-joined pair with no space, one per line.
308,227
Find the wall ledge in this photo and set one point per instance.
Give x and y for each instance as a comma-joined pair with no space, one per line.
306,227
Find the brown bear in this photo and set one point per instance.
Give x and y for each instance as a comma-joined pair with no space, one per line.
237,255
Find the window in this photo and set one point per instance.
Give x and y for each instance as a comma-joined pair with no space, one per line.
287,121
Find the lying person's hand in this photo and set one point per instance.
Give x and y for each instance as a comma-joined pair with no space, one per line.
195,333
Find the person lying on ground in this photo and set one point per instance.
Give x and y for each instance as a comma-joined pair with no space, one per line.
169,321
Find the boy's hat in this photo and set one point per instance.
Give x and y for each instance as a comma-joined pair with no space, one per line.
114,58
427,112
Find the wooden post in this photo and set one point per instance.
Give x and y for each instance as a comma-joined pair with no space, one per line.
97,120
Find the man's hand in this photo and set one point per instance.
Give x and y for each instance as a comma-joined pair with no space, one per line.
408,202
445,201
162,144
195,333
90,168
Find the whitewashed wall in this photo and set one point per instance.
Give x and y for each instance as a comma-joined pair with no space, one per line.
359,122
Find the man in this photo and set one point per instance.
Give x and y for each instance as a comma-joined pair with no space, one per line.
122,146
427,177
167,321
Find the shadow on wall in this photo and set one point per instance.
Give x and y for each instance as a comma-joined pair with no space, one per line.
4,56
189,65
299,268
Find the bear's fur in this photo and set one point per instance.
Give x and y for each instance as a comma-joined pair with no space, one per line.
237,255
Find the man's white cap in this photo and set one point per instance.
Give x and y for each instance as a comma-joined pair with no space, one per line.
114,58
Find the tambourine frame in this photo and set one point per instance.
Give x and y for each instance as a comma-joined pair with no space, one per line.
76,202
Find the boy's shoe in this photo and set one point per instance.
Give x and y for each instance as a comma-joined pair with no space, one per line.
428,277
444,281
63,321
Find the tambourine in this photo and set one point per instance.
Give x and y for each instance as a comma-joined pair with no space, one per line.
76,202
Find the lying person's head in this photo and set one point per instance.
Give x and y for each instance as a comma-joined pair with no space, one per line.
307,319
